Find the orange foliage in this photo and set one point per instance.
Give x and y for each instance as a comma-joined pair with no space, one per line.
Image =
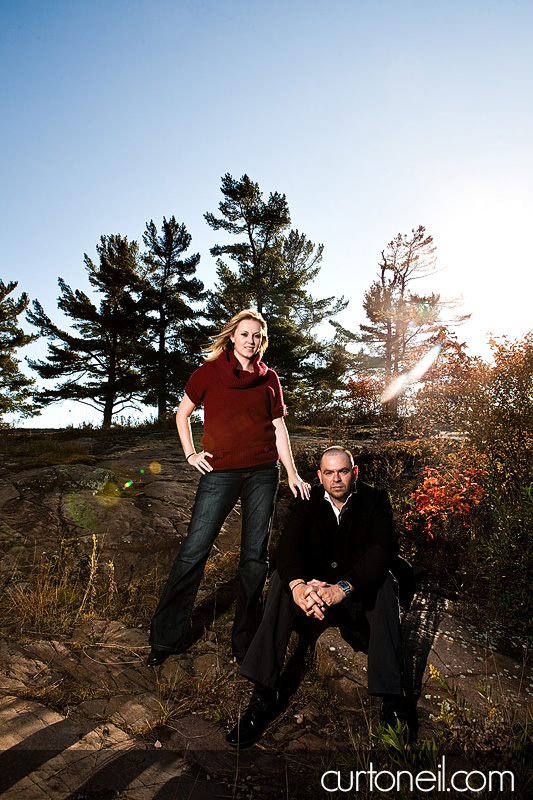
364,391
442,497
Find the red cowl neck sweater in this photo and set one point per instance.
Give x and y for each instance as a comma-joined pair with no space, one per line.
239,408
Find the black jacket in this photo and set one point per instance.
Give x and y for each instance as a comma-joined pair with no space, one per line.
361,549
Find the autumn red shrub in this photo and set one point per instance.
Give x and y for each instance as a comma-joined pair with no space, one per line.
444,498
363,392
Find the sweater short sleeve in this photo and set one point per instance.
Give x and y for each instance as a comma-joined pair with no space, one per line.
277,406
197,385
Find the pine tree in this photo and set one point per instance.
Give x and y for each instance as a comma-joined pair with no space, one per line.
15,387
402,324
274,265
100,367
168,291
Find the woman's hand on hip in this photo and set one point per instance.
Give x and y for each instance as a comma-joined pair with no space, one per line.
200,462
296,485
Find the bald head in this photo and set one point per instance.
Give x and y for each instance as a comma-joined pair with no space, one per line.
337,474
336,449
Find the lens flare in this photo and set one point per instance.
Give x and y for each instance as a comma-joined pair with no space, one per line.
128,484
80,511
399,384
155,467
108,495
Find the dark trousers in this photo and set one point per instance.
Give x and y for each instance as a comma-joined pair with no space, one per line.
265,657
216,496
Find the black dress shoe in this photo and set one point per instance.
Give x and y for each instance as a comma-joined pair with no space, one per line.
254,722
157,657
396,712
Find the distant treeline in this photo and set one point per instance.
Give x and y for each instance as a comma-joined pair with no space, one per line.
139,345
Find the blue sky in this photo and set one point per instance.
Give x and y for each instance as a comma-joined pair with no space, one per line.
372,117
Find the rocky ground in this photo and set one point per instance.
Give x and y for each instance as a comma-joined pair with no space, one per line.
81,715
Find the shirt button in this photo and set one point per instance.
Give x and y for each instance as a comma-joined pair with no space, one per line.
267,449
334,565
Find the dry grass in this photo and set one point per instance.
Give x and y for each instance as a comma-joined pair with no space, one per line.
64,695
44,602
54,595
44,452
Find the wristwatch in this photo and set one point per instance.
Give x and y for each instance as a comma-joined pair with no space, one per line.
345,586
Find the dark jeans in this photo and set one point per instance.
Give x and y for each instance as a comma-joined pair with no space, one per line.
216,496
266,655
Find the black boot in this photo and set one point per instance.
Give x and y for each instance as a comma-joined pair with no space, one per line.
157,657
396,711
255,720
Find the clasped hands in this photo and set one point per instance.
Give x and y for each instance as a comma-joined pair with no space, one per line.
314,597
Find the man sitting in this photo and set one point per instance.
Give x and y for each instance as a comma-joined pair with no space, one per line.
333,563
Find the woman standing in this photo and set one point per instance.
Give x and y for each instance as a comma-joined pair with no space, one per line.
244,435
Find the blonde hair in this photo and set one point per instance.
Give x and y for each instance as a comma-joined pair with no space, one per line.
221,342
